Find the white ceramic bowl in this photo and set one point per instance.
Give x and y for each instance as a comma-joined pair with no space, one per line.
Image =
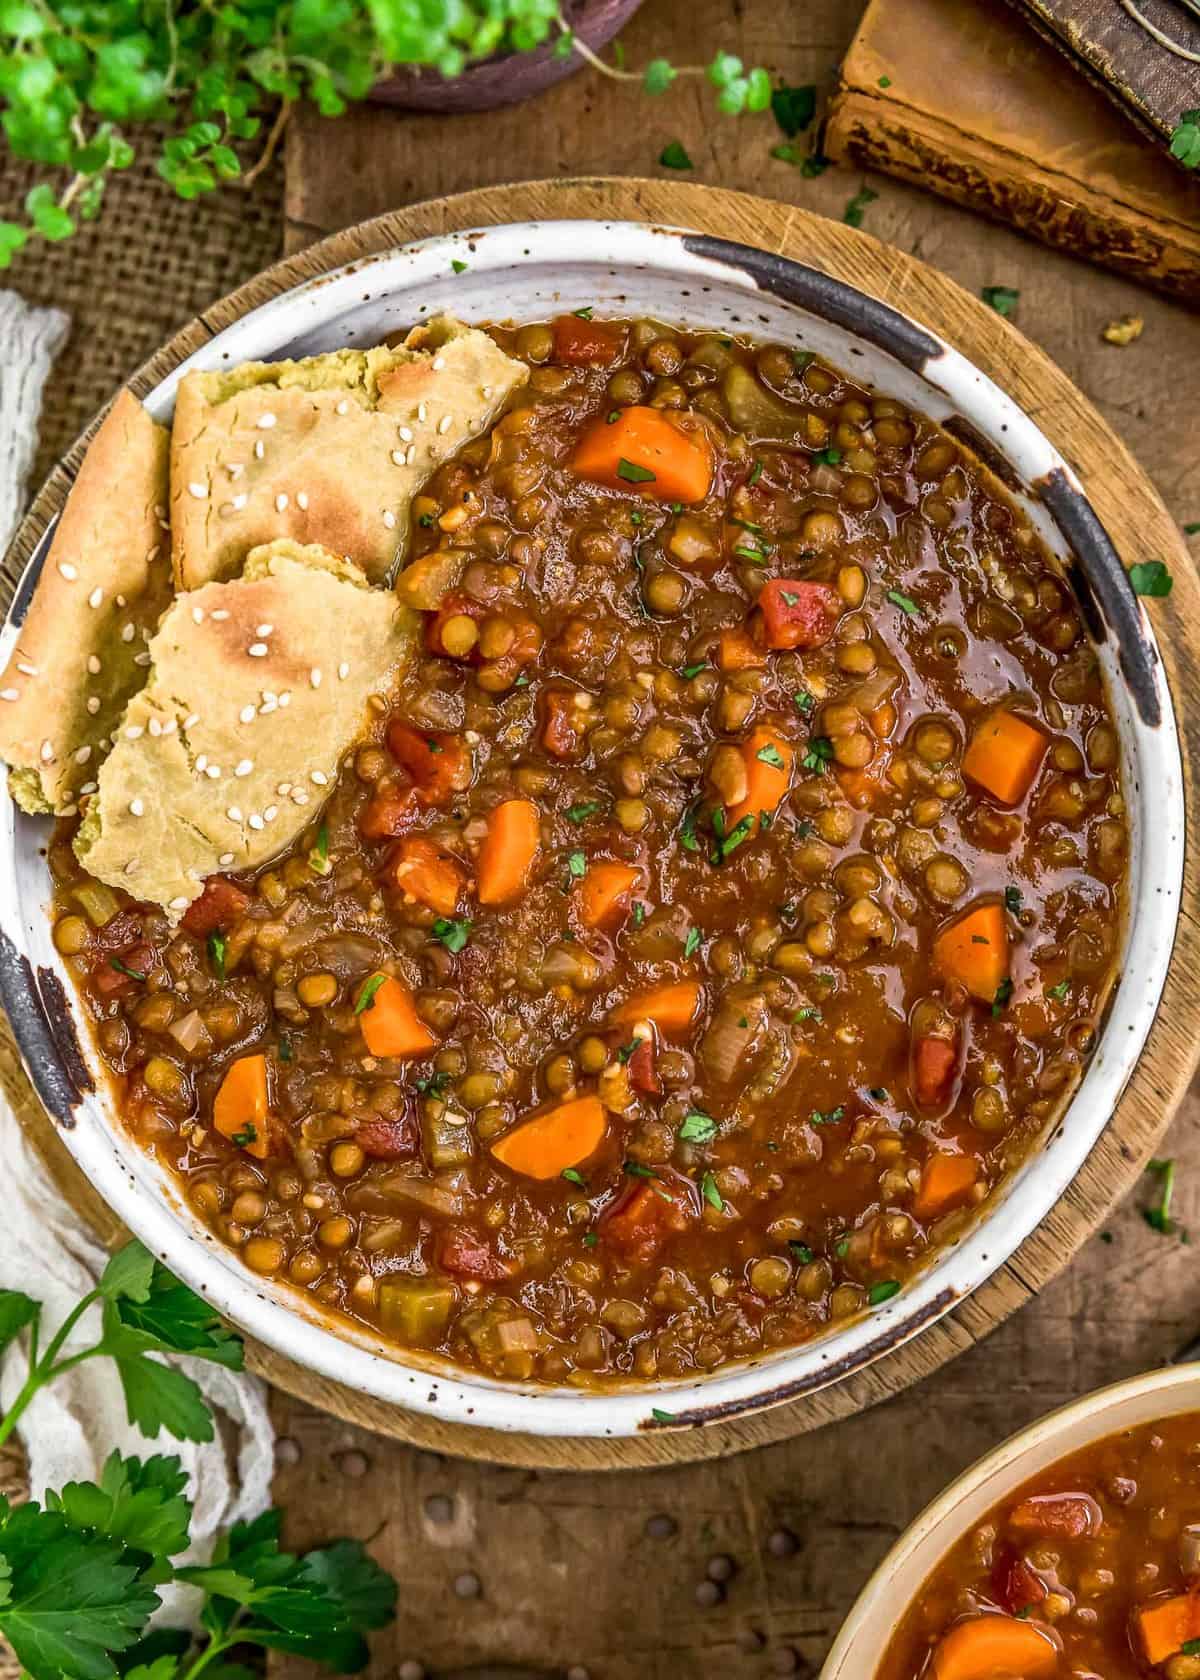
887,1595
526,273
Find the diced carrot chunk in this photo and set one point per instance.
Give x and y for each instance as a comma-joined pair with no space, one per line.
946,1180
934,1064
242,1106
389,1020
738,651
438,762
993,1647
604,891
556,1138
579,342
509,848
798,614
1165,1625
1064,1516
768,758
425,872
644,450
672,1007
974,950
1004,756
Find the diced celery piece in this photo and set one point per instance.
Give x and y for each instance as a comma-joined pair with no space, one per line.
416,1310
448,1140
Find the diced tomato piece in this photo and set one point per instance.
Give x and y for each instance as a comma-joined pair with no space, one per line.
464,1254
391,809
645,1213
1015,1585
438,762
217,908
394,1137
643,1074
796,614
135,961
456,605
125,928
1064,1516
561,733
934,1064
582,343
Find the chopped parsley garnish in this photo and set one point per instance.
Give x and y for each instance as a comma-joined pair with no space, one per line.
1059,993
632,473
425,520
1192,528
802,1252
318,857
756,472
793,107
884,82
697,1127
366,998
635,1169
687,829
842,1247
830,1119
522,681
627,1050
802,359
586,313
581,813
639,913
590,1239
434,1085
216,954
808,1013
748,551
729,843
577,864
245,1137
452,932
1159,1216
458,265
1013,902
673,156
881,1292
1151,577
659,1416
1003,299
574,1176
123,968
1004,992
613,415
708,1189
692,943
770,754
745,524
818,755
804,702
852,215
828,457
904,602
690,671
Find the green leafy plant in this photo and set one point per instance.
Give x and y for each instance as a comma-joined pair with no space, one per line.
83,83
79,1573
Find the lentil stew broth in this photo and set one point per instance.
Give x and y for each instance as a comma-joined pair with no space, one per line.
834,712
1089,1569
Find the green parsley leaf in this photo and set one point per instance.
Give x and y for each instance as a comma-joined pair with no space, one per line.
697,1127
817,755
1003,299
658,76
828,457
1158,1217
1059,993
673,156
816,163
802,1252
1151,578
1192,528
425,520
452,932
770,754
123,968
318,857
635,1169
804,702
639,913
729,843
285,1049
586,313
881,1292
434,1085
693,941
574,1176
842,1247
687,672
632,473
904,602
807,1013
659,1416
366,996
687,828
458,266
794,107
577,864
1004,992
590,1239
1185,140
885,81
756,472
852,215
708,1189
580,813
829,1119
216,954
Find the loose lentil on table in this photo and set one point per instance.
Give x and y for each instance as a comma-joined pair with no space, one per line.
1090,1569
751,818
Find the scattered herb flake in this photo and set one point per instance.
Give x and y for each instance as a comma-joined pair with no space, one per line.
574,1176
285,1049
829,1119
581,813
452,932
881,1292
687,828
1003,299
577,864
1158,1217
793,107
639,913
673,156
842,1247
632,473
815,164
804,702
1185,140
1059,993
318,857
590,1239
433,1085
708,1189
1151,577
366,997
635,1169
692,943
697,1127
828,457
808,1012
123,968
659,1416
1004,992
852,215
802,1252
770,754
1192,528
904,602
690,671
458,266
216,954
756,472
586,313
627,1050
246,1136
885,82
729,843
817,755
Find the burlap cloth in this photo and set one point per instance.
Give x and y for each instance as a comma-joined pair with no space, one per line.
129,281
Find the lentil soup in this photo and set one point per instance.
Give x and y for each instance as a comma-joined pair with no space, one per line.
1090,1569
716,915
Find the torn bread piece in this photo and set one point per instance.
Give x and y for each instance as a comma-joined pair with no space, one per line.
257,689
329,450
81,651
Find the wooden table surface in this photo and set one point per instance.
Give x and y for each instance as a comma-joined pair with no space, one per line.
501,1568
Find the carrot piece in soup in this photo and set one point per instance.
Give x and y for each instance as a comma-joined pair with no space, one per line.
427,873
995,1648
546,1144
974,951
1004,756
390,810
389,1020
242,1106
508,851
579,342
1167,1624
738,651
768,758
644,450
604,891
797,614
946,1180
672,1007
439,763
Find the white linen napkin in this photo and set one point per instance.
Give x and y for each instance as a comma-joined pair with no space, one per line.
73,1425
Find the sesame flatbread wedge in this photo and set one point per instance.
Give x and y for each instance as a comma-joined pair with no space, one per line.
81,651
327,450
257,688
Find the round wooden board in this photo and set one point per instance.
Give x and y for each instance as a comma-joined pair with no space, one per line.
1141,527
